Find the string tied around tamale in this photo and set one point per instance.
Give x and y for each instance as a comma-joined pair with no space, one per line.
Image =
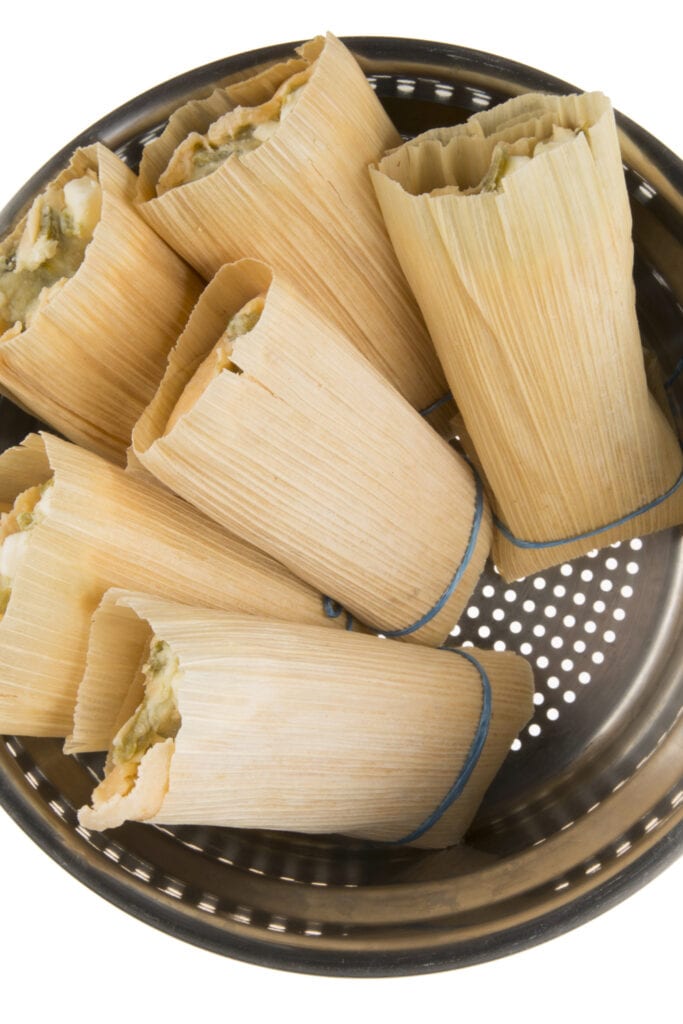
541,544
677,371
448,397
470,763
459,572
333,609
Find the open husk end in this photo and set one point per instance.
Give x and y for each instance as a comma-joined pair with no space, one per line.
302,448
92,528
514,232
302,201
294,727
89,351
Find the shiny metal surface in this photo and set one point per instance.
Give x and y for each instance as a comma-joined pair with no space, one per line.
589,803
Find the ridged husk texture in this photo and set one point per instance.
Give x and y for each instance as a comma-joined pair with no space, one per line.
92,357
303,202
296,728
106,529
528,293
308,453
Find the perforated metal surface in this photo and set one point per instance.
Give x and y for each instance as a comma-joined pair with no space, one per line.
597,764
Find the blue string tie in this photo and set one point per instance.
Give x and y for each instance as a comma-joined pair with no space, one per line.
540,544
333,609
459,572
470,763
448,397
678,370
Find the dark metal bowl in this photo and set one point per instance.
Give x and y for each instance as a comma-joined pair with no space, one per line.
589,804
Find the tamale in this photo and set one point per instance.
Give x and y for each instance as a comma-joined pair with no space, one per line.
282,175
273,424
514,231
91,301
77,525
244,722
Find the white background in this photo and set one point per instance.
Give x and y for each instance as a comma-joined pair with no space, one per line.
65,952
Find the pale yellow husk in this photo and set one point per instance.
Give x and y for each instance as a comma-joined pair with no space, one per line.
311,455
199,113
105,529
296,728
92,357
304,203
527,289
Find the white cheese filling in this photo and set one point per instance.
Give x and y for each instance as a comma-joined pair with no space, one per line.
58,229
29,509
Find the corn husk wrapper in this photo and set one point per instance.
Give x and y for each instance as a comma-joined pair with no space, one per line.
529,297
105,529
296,728
199,113
92,357
309,454
303,202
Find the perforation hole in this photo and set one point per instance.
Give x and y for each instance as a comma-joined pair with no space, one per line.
562,620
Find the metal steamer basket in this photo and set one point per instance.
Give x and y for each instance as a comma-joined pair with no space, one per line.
589,804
